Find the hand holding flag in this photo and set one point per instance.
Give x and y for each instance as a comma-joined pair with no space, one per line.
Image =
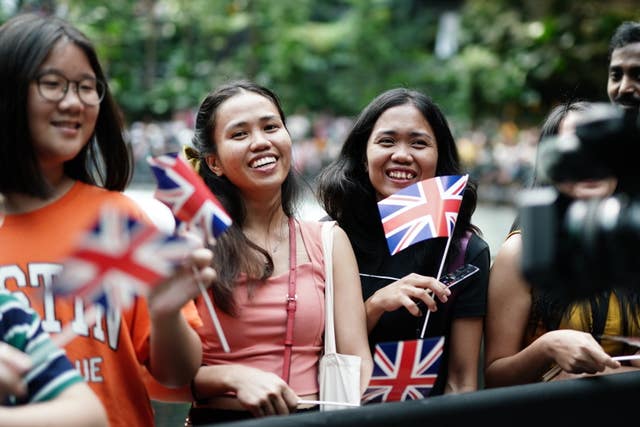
422,211
114,260
191,202
120,254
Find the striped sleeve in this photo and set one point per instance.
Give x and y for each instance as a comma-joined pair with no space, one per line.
52,371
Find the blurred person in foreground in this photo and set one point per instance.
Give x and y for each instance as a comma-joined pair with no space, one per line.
540,334
38,384
62,158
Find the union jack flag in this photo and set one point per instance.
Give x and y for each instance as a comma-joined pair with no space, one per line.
404,370
189,198
422,211
117,258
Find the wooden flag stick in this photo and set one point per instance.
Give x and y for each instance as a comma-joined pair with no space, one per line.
212,312
444,256
326,402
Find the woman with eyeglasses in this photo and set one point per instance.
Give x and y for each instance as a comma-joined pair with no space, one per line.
62,157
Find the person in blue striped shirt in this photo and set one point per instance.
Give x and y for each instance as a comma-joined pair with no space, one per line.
38,384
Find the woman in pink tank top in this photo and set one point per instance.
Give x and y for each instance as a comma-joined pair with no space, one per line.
270,285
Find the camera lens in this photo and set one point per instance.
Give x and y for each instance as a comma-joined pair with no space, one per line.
601,241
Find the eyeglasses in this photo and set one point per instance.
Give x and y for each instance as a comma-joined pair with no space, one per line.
54,87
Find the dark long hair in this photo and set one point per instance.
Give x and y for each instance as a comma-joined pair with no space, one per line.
234,253
345,191
25,42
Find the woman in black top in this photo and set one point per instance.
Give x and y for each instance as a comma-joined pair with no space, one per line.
399,139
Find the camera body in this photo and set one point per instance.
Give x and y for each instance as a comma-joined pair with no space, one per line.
584,246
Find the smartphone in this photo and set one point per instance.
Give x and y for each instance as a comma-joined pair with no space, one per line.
459,275
451,279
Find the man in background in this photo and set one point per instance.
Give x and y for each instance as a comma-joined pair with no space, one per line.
623,84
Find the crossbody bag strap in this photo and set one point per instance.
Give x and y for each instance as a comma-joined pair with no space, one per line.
291,301
327,250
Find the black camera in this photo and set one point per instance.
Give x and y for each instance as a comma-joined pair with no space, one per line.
588,245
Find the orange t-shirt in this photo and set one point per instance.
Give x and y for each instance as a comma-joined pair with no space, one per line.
108,355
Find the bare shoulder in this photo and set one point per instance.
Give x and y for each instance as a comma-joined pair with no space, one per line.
510,250
506,275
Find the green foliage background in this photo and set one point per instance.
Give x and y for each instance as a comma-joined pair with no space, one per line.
514,59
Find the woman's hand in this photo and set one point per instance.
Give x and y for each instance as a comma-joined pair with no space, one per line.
578,352
171,295
262,393
408,292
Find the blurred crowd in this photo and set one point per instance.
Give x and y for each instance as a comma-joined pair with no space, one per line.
500,157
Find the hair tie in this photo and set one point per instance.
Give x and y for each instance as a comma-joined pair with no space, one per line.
193,157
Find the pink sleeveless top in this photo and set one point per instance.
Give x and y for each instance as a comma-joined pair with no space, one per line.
256,335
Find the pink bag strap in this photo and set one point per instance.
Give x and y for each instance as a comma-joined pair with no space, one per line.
291,301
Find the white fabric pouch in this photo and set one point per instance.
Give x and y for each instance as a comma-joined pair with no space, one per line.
339,374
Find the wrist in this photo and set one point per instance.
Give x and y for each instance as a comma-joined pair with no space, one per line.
195,396
371,308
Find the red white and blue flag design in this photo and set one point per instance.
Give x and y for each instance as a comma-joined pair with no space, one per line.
424,210
404,370
118,258
189,198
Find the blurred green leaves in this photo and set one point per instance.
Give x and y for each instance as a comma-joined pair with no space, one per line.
514,59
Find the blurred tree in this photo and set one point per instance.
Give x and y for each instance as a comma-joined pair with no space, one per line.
508,60
517,60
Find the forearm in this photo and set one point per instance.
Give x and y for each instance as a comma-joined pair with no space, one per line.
462,382
216,380
373,312
166,394
526,366
76,406
366,369
176,351
464,356
49,414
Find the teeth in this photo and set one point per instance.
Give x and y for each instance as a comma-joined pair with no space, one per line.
67,124
401,175
263,161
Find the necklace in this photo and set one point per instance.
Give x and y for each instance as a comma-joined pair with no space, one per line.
281,238
281,234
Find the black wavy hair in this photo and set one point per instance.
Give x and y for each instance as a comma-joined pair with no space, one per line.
345,191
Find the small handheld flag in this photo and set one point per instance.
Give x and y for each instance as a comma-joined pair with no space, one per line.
404,370
422,211
191,202
114,260
119,256
188,197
